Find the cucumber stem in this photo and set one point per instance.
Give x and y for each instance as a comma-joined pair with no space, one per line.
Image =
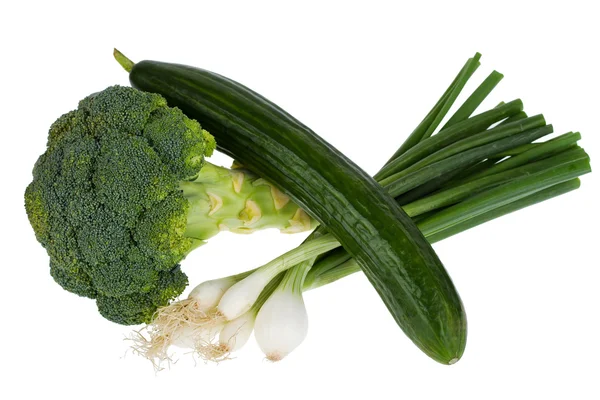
125,62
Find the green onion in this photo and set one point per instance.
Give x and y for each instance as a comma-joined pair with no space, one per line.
502,195
476,98
403,184
536,152
471,142
437,113
339,264
473,186
282,322
461,130
233,336
242,295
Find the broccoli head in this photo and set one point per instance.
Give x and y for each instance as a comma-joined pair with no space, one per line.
106,204
123,194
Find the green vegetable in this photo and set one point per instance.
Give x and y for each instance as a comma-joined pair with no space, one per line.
458,179
122,194
280,302
392,252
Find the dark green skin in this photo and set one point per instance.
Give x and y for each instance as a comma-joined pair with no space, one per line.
392,252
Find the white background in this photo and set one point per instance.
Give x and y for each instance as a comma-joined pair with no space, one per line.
362,77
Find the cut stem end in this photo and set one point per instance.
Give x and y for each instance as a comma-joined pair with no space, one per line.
125,62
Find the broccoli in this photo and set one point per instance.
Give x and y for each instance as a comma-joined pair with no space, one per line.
123,194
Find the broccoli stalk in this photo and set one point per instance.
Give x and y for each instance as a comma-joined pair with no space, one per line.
123,194
238,201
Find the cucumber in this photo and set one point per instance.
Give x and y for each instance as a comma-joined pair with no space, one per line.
394,255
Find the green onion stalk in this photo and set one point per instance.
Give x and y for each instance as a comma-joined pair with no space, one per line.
473,170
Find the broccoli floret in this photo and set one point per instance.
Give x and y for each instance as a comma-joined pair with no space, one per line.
123,194
75,280
140,307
